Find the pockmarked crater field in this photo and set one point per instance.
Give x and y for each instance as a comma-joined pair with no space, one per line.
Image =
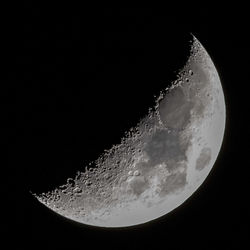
160,162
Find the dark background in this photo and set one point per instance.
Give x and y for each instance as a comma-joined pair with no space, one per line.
75,79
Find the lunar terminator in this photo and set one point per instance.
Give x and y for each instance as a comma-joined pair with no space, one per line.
160,162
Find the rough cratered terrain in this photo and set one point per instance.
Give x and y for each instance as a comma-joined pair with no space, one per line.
160,162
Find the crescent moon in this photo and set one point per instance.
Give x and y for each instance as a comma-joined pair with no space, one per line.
160,162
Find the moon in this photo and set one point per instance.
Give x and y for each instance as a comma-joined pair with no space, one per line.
160,162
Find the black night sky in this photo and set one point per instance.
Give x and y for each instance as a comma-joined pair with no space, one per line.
75,79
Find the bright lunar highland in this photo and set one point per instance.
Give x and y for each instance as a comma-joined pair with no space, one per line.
160,162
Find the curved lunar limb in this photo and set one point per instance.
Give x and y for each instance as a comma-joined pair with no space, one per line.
159,163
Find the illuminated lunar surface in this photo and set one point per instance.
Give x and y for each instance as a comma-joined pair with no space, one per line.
159,163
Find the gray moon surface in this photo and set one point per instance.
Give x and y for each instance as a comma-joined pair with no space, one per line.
160,162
